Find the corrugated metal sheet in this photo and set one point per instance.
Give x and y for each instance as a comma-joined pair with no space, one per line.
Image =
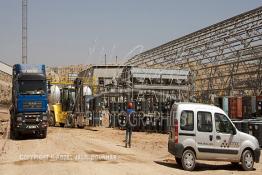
6,68
159,73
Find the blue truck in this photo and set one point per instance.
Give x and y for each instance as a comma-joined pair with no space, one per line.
28,112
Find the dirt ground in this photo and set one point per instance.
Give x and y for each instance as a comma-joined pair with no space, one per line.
96,151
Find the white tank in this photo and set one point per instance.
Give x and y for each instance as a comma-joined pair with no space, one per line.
87,91
54,95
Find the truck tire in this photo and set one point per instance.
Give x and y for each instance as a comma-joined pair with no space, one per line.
11,126
12,134
11,131
247,160
42,134
16,135
188,160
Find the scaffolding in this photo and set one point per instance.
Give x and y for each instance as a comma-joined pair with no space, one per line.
225,58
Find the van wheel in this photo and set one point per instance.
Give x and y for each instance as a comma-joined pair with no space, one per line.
188,160
178,161
247,160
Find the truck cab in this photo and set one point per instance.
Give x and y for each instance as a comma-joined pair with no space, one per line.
29,101
205,132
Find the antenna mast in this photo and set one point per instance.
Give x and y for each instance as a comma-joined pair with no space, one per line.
24,32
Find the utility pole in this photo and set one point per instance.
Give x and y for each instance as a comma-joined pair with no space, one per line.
116,59
24,32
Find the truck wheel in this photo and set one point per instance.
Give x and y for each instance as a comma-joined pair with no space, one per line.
11,131
11,134
43,134
16,135
51,119
178,161
188,160
247,160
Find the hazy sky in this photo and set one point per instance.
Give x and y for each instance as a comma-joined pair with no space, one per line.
62,32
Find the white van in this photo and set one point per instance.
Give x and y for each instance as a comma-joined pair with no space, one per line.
205,132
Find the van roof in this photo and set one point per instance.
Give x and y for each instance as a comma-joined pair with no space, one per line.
199,106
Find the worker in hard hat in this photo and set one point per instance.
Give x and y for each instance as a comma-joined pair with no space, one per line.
129,124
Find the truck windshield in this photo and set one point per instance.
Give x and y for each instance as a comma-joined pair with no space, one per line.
32,87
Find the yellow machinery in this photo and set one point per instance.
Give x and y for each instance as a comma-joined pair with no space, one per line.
60,111
58,116
70,109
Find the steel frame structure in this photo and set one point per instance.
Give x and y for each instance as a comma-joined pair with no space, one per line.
225,58
168,83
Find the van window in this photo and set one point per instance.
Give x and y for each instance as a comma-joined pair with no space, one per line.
187,120
204,121
223,125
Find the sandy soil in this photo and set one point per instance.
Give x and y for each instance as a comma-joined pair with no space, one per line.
97,151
